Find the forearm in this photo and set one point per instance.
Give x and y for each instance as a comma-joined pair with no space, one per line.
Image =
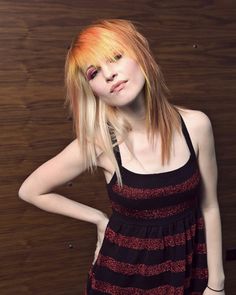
214,246
56,203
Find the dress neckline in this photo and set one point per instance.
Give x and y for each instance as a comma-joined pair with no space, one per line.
158,173
164,173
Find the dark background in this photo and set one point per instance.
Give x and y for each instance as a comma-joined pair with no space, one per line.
194,43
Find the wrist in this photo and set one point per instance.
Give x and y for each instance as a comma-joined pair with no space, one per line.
216,290
216,283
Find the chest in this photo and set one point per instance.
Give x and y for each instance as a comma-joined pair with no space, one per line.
141,156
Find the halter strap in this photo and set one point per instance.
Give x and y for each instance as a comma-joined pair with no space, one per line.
184,130
187,137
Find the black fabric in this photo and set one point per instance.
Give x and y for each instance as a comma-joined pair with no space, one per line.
154,242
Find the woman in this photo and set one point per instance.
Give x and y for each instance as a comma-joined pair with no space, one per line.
164,234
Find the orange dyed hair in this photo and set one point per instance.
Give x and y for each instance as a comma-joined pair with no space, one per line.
99,41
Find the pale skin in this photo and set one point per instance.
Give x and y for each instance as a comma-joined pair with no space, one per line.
37,188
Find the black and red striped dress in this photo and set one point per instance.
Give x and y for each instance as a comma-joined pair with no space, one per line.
154,242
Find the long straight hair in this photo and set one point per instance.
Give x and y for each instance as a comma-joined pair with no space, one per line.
94,121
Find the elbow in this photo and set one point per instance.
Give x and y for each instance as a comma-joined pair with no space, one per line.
23,195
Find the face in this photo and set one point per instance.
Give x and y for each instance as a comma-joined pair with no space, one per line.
104,78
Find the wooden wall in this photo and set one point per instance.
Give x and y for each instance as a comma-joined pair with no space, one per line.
193,42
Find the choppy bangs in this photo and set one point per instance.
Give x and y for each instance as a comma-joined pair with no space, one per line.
98,44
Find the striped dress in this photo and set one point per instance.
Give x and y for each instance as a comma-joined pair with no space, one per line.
154,242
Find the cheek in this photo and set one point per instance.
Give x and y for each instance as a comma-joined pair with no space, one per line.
137,75
135,71
96,88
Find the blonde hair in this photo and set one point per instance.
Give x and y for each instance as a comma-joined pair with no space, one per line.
92,118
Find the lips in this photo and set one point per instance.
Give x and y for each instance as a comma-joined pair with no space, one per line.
116,85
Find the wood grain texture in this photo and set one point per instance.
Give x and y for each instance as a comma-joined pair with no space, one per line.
193,42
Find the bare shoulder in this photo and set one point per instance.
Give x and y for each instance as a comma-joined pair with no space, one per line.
196,120
198,125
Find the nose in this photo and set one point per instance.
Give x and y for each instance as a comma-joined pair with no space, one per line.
108,71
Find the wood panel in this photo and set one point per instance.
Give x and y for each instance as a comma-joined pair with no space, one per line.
193,42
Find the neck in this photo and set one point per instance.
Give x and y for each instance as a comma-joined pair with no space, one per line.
135,113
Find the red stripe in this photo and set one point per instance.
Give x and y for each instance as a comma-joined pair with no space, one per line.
200,273
160,290
125,268
154,243
201,248
143,193
111,289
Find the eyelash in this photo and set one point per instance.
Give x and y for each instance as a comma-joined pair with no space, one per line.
118,55
91,75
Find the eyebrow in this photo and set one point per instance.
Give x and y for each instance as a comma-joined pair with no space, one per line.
89,67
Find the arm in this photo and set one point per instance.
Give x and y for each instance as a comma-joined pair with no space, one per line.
65,166
209,202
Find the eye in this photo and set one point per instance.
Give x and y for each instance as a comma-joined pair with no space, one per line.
92,74
117,56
